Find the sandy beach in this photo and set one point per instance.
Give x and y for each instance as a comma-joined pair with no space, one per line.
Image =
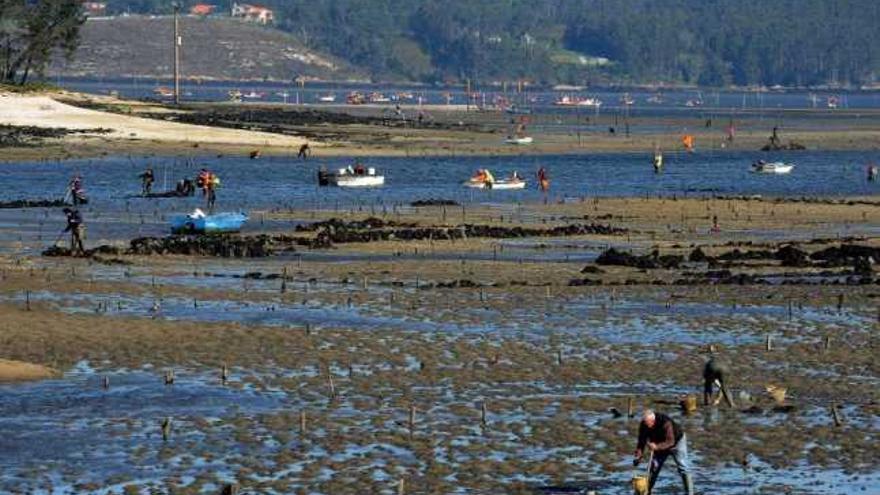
129,134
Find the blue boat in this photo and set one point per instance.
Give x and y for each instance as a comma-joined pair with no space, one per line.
208,224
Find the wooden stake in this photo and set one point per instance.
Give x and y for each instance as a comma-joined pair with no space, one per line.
224,374
302,422
835,415
27,300
769,345
400,487
166,428
169,377
106,382
827,343
630,407
412,420
330,383
483,421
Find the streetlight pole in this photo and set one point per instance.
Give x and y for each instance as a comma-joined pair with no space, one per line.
177,43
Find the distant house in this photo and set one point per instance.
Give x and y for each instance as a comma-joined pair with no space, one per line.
202,9
94,9
253,13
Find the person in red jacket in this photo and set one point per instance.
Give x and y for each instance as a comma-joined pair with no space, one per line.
660,434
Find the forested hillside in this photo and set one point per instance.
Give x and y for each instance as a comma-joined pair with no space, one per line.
709,42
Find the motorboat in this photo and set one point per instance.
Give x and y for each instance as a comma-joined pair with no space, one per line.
574,101
253,95
519,140
198,222
355,98
163,91
378,98
627,100
357,176
328,98
518,136
763,167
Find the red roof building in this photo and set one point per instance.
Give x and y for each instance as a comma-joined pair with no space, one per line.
202,9
94,9
253,13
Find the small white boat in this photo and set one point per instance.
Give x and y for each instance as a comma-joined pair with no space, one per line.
351,177
253,95
328,98
519,140
486,181
762,167
499,185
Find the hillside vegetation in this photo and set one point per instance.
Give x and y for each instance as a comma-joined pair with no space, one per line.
214,48
710,42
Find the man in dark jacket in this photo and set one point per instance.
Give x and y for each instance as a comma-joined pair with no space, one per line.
660,434
715,371
77,231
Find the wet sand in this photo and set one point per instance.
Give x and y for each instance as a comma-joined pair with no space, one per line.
357,335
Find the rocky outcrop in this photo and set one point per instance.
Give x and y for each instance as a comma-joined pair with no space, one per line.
645,262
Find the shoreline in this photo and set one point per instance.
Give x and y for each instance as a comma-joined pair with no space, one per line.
135,127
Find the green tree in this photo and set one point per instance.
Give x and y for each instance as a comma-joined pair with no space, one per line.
32,32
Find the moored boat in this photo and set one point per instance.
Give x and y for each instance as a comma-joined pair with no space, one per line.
763,167
483,179
357,176
199,223
328,98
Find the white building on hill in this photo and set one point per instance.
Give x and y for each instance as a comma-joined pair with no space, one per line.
253,13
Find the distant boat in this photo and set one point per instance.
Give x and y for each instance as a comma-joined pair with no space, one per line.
518,136
519,140
378,98
695,102
762,167
355,98
833,102
574,101
253,95
517,110
199,223
498,185
655,99
163,91
627,100
328,98
357,176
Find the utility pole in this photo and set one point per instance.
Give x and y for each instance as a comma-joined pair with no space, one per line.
177,43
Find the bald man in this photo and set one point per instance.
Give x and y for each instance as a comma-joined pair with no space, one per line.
660,434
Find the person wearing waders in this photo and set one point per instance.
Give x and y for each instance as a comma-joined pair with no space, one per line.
77,229
147,179
664,437
714,372
305,151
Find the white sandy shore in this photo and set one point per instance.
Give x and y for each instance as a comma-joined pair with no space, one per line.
43,111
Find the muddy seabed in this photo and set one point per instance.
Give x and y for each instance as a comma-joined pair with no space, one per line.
477,365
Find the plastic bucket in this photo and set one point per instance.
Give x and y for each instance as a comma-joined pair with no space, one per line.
640,485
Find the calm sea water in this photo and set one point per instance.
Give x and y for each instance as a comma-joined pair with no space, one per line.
112,182
535,99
